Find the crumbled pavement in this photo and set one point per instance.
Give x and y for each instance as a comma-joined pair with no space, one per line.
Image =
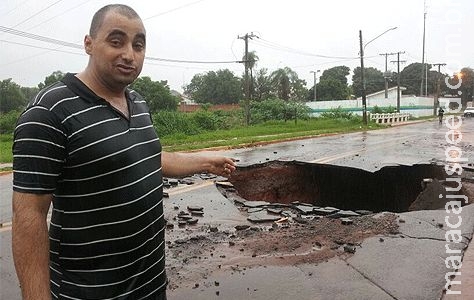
378,256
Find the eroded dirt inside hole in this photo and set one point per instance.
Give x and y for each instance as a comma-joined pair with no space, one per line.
392,188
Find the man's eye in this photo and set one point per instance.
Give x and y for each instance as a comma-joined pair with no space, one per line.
115,43
139,46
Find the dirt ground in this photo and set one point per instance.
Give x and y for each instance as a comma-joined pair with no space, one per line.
207,250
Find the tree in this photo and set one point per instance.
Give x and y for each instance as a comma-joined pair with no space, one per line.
156,93
332,89
55,76
221,87
29,92
374,81
339,73
287,86
262,85
333,84
11,97
411,79
252,62
467,85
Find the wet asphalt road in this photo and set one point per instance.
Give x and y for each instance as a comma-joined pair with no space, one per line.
404,145
371,150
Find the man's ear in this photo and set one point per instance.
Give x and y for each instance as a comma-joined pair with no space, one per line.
88,44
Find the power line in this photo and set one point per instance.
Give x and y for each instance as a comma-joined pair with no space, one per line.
77,46
324,63
75,53
36,55
39,47
60,14
39,37
175,66
276,46
37,13
15,8
173,9
193,61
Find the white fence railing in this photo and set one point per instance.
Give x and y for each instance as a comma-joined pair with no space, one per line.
389,118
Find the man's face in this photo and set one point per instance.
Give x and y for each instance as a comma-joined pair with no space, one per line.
118,50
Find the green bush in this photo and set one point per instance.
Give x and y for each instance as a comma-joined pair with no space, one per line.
167,122
207,120
230,119
277,109
376,110
6,142
8,121
383,110
337,113
170,122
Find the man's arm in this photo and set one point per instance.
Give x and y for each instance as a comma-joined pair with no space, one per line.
179,164
30,244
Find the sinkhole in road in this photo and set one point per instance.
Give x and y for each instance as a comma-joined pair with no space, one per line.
397,188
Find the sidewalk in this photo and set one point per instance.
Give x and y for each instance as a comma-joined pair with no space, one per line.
467,277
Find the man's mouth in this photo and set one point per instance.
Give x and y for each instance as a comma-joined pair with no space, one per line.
125,68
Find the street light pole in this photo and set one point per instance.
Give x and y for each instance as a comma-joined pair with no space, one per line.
362,71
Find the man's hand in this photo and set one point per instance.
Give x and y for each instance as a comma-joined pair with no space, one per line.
221,166
179,164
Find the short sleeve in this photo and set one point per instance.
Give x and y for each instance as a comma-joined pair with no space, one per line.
39,151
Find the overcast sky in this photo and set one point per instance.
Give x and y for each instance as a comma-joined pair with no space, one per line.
301,34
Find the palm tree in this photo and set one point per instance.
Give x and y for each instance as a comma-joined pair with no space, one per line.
252,59
282,80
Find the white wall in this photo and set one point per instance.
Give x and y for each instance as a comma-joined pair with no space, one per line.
416,106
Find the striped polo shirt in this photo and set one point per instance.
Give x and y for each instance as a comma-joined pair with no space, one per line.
104,172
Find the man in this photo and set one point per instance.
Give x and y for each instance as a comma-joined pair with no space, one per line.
87,145
440,115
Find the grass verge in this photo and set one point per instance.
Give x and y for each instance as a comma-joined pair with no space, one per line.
267,132
6,141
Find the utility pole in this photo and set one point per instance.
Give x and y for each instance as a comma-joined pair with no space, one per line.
385,75
423,54
438,88
398,61
314,87
364,98
246,38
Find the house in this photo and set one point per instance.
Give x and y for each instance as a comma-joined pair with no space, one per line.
392,94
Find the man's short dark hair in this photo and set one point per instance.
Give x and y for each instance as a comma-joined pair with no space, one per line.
99,16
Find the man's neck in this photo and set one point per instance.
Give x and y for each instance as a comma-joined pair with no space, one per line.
116,97
100,88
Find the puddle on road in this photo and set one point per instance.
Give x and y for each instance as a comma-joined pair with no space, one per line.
392,188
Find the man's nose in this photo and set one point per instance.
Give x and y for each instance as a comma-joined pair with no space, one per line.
128,53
